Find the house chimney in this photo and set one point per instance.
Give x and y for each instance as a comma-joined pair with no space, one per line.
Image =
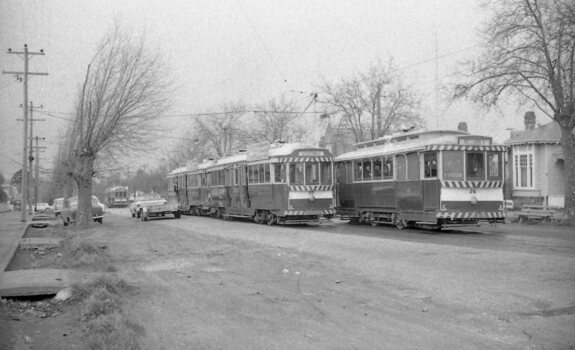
529,120
462,126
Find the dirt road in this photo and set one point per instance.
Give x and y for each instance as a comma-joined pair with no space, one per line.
210,284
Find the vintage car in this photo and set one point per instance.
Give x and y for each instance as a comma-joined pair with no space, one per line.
43,207
68,214
148,205
58,205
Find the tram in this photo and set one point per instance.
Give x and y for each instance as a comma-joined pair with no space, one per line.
279,183
432,179
117,196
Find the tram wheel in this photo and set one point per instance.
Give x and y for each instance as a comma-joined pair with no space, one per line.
401,224
271,219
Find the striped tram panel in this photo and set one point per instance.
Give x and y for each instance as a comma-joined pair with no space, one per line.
309,188
305,159
471,184
466,148
469,215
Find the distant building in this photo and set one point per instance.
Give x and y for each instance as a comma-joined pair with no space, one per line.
337,140
536,166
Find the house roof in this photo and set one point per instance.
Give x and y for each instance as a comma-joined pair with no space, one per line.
544,134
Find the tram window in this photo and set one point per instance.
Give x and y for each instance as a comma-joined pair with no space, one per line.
236,176
261,173
430,164
279,172
311,173
251,174
204,184
296,174
388,168
401,168
348,172
326,176
494,166
267,173
377,173
453,165
475,166
413,167
366,170
357,171
228,177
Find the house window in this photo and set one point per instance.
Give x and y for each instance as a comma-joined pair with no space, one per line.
523,170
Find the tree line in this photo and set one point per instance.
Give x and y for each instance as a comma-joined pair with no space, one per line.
528,53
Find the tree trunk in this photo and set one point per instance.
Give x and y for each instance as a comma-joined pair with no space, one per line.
83,180
568,145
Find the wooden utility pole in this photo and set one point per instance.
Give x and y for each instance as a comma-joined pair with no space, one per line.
31,156
25,55
37,172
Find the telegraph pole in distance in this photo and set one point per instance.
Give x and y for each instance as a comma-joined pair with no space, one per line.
37,171
25,56
31,156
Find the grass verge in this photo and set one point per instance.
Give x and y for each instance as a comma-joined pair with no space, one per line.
104,326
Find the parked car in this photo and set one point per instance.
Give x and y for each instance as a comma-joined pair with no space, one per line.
43,207
151,205
69,214
58,206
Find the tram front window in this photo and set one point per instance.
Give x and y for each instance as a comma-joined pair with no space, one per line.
475,166
326,174
494,166
311,173
453,165
296,171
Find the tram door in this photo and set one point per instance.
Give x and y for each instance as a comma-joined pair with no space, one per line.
240,197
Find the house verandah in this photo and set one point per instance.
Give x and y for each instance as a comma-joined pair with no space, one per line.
536,166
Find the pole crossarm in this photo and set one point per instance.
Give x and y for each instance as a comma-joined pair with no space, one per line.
22,73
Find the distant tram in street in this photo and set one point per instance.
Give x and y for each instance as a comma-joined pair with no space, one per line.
280,183
117,196
430,179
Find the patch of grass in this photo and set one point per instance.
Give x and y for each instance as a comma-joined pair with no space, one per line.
113,331
78,253
104,325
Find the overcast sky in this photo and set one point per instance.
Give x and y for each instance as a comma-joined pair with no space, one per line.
237,50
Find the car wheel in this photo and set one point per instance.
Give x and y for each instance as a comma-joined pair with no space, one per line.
133,215
100,221
177,214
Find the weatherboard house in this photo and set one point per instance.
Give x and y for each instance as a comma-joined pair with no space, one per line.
536,166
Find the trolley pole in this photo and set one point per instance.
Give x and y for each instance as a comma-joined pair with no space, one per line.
25,55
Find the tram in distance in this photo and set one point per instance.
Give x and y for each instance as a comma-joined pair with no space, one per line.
117,196
279,183
429,179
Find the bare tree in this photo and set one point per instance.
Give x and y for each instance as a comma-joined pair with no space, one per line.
220,131
278,119
124,92
374,103
529,51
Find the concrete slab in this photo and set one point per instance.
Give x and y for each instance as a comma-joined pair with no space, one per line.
39,242
11,232
33,282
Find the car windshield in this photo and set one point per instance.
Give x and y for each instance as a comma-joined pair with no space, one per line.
148,197
74,201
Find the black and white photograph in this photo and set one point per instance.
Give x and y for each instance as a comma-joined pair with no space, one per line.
228,174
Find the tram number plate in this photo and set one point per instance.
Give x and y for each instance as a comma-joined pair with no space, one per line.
473,190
